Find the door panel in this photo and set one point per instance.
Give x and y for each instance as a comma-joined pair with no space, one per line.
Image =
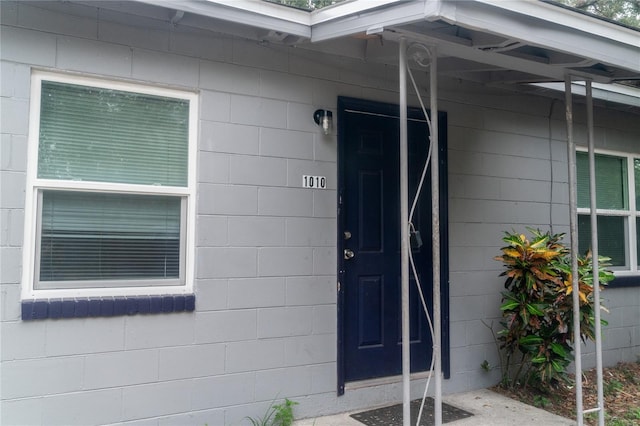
371,278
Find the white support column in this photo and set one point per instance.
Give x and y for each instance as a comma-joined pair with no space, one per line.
573,233
404,237
594,250
435,230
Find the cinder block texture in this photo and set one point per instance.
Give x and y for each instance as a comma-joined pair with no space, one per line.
265,324
122,368
94,57
21,411
256,292
223,391
254,355
91,335
22,340
148,331
156,399
83,408
226,326
38,377
281,322
191,361
230,262
256,231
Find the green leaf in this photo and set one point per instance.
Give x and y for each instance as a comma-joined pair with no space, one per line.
557,366
534,309
530,340
539,359
509,305
558,349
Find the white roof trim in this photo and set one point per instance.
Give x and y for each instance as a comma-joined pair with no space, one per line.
259,7
255,13
271,16
553,29
569,18
402,13
347,8
608,92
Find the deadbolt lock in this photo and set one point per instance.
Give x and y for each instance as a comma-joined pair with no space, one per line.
348,254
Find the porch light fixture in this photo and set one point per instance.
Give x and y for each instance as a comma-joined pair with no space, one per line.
324,119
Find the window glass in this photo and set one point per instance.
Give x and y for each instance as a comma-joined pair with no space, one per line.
636,174
102,236
104,135
110,203
638,240
611,181
611,237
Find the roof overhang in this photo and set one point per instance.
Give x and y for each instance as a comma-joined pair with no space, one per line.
521,41
258,14
487,41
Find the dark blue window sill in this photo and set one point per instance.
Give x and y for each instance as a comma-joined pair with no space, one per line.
627,281
36,309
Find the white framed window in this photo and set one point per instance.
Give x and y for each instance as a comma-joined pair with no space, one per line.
110,197
617,208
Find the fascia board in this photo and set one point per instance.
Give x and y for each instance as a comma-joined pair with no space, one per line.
348,8
608,92
568,18
481,15
253,13
403,12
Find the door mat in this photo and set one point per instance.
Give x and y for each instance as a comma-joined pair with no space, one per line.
392,415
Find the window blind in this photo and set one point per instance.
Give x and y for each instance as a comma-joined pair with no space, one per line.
636,171
611,182
104,135
611,237
104,236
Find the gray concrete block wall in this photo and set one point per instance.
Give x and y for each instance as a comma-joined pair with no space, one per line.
265,319
512,174
265,286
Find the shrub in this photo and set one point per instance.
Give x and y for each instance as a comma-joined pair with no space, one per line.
537,307
276,415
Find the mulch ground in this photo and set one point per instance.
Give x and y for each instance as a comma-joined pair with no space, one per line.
621,390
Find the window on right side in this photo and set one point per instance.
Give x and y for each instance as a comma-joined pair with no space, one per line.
617,208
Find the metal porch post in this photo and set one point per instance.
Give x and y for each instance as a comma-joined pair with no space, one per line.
573,233
595,252
404,237
435,229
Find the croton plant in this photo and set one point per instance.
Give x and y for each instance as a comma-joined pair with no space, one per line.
537,306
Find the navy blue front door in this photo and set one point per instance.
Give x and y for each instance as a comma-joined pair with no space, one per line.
370,245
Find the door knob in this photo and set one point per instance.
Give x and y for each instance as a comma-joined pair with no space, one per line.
348,254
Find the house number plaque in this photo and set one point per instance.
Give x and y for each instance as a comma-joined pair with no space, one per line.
317,182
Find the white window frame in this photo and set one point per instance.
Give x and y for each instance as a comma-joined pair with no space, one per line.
631,214
35,185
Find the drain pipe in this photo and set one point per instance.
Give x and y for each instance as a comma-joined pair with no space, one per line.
595,253
435,240
573,233
404,237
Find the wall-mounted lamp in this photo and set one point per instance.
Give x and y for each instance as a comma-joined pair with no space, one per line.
324,119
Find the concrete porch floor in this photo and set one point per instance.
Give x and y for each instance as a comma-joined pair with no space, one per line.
488,409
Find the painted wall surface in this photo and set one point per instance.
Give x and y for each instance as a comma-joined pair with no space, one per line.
265,319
